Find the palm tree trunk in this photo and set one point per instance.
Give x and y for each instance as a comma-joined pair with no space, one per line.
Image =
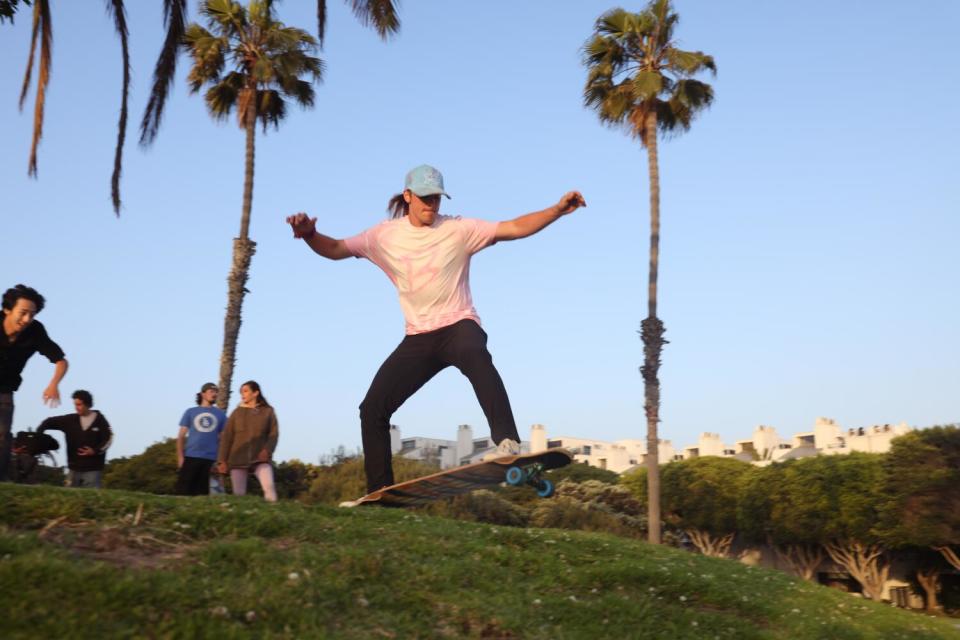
243,250
651,331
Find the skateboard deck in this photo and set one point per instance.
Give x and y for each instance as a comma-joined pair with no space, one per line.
523,469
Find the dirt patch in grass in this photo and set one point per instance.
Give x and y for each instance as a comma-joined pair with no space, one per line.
121,545
454,622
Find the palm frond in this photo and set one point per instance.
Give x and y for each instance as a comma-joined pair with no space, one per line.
647,85
222,97
321,20
689,97
164,73
227,16
380,14
208,53
689,63
8,9
42,19
271,108
34,35
120,21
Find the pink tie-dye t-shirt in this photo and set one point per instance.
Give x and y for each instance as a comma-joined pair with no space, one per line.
430,266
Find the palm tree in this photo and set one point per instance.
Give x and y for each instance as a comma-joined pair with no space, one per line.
380,14
266,63
639,81
43,30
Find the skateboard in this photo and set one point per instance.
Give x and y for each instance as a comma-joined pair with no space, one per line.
524,469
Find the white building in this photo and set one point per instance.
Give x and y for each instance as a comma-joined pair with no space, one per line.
766,446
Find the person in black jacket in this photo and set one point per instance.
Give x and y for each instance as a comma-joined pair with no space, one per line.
22,337
88,437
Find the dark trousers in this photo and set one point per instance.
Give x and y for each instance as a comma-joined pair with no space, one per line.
417,359
194,477
6,433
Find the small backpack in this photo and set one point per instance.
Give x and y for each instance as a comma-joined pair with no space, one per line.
35,443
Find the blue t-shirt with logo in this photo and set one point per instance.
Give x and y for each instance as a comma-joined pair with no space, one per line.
203,437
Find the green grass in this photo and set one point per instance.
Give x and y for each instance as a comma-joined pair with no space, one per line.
78,564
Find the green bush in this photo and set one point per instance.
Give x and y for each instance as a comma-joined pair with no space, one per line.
345,480
581,472
482,506
153,471
591,506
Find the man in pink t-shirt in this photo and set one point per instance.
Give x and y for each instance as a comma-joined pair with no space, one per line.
427,257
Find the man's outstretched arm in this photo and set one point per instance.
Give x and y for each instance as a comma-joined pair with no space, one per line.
305,227
531,223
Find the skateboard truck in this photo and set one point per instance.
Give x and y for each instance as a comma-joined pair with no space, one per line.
532,475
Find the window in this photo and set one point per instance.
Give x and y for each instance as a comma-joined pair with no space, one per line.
554,444
408,445
586,450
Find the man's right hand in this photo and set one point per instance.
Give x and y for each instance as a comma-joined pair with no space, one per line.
303,225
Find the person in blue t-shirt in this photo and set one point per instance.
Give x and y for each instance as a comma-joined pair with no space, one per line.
198,442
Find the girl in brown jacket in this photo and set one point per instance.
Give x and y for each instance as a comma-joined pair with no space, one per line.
248,442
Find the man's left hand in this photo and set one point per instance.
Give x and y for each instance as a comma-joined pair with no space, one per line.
86,451
51,396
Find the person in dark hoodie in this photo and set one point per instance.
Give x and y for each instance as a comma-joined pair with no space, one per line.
88,437
22,337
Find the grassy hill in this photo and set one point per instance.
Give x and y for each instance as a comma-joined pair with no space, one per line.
80,564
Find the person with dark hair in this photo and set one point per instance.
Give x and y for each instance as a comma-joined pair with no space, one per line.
22,337
88,436
248,442
427,257
198,441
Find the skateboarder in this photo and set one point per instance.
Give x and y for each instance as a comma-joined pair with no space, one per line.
427,257
22,337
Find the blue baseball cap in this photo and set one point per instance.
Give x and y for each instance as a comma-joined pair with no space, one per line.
425,181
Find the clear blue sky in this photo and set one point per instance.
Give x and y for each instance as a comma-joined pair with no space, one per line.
808,259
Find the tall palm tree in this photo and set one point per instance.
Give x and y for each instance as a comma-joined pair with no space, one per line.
380,14
252,63
43,30
639,81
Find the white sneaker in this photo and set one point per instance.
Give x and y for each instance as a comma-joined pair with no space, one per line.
507,447
349,503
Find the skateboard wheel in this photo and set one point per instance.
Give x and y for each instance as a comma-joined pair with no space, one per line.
515,476
545,490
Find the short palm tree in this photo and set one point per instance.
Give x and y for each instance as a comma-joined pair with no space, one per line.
639,81
382,15
253,64
43,30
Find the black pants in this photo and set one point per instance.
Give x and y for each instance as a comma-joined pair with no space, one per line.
194,477
409,367
6,433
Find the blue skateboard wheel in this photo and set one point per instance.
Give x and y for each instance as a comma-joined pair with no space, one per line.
515,476
545,490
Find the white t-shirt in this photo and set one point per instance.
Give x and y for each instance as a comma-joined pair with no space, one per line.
430,266
87,421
